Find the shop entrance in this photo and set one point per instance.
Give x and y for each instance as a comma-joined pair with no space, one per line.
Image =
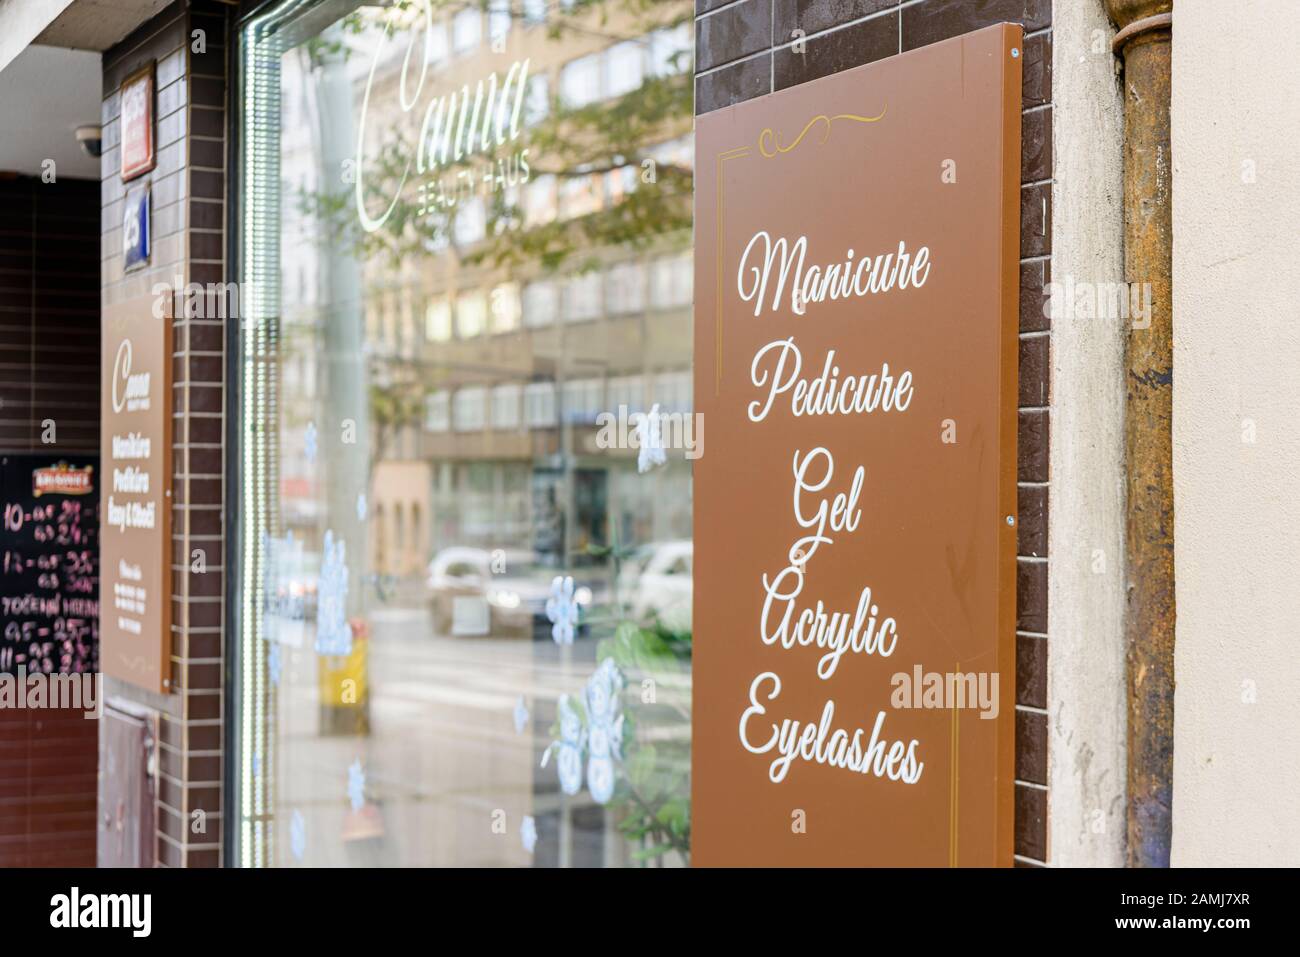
49,448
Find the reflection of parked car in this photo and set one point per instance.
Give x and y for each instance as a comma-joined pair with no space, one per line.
294,577
474,593
657,584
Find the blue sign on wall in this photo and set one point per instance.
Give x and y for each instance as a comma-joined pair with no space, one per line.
135,229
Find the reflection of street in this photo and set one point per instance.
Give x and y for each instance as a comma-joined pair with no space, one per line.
443,760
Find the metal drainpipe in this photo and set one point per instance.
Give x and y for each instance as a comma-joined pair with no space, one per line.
1144,44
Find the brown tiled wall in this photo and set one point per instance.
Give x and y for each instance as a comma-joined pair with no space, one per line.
745,48
188,195
49,369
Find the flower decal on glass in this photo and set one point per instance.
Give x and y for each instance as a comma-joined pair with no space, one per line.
356,785
562,610
274,663
309,443
569,749
528,833
297,835
520,715
591,733
650,443
604,729
333,633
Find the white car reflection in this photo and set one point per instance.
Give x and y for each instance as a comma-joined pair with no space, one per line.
474,591
657,583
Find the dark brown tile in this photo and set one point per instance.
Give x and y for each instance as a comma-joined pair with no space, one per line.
1036,146
1035,371
1036,75
1034,277
1031,671
1031,747
1031,596
732,33
733,84
205,121
813,16
207,91
1036,220
1031,525
852,46
936,20
1031,822
1033,448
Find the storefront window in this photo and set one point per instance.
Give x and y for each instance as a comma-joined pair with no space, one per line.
464,561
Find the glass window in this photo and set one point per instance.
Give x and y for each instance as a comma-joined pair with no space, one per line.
539,201
505,307
540,410
672,50
437,411
625,288
581,80
625,66
538,104
469,409
582,297
534,11
671,282
437,320
541,302
506,403
466,544
466,29
498,21
471,314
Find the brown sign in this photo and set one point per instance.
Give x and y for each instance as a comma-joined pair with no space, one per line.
135,502
856,348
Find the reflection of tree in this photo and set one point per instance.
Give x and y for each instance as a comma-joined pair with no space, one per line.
394,407
604,137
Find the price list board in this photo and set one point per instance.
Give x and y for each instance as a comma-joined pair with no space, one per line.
49,564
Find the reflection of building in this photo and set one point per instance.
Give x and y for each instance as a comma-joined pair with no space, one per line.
499,373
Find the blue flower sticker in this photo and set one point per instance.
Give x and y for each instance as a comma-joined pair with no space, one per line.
309,445
297,835
592,733
562,610
356,785
333,633
274,663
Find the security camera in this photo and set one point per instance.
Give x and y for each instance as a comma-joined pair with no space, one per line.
91,140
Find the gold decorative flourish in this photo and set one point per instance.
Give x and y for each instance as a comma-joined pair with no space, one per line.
769,144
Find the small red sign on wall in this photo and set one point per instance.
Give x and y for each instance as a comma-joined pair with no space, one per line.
137,123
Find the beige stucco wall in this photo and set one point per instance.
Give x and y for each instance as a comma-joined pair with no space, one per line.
1236,138
1085,603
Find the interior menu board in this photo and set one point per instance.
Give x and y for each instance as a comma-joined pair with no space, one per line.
856,291
49,566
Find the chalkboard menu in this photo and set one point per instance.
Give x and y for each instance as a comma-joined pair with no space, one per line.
49,566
